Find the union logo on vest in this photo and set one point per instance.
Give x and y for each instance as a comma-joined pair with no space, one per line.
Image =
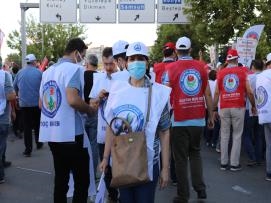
231,83
261,97
190,82
51,99
130,113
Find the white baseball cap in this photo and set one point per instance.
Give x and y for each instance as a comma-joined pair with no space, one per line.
137,48
30,58
268,58
119,47
183,43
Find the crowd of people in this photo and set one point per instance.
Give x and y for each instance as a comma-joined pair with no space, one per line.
71,104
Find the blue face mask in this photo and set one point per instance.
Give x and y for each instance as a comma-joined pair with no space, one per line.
137,69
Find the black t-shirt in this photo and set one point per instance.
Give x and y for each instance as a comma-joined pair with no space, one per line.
88,78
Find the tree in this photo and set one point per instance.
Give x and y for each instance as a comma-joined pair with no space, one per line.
171,33
218,22
15,58
264,17
45,39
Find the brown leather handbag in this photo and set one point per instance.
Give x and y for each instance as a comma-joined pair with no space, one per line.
129,155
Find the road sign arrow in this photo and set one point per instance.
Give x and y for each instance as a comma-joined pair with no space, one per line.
58,16
98,18
175,16
137,17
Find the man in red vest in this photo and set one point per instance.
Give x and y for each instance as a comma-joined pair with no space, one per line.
169,52
231,90
190,90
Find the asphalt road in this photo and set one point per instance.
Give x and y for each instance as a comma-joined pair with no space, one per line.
30,180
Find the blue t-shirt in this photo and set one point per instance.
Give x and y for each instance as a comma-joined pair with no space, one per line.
8,88
75,83
27,84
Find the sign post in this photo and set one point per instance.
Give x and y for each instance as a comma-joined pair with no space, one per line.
171,11
136,11
52,11
97,11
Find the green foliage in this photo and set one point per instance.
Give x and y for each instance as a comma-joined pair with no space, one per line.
218,22
55,37
16,58
171,33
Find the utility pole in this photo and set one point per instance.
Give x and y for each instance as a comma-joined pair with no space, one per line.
24,8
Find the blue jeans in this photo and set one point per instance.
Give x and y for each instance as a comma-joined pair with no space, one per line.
3,144
143,193
91,130
267,131
253,138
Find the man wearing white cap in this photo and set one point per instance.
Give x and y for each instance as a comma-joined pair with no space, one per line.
263,99
119,53
231,91
190,90
26,85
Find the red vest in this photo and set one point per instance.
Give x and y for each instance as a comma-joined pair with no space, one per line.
232,87
188,80
159,70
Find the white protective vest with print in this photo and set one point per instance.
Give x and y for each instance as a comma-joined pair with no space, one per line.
130,103
100,82
57,123
263,96
3,101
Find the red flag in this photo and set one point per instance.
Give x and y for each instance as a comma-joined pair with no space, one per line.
44,63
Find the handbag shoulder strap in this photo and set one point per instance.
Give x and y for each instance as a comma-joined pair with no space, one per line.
149,105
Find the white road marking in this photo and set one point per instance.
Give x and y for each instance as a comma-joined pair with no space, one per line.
38,171
241,189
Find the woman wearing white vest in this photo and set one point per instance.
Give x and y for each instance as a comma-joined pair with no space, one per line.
129,99
61,125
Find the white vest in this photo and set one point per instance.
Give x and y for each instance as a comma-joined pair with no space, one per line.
131,103
100,82
3,100
263,96
57,123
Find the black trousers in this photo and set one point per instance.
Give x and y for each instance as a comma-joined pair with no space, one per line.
112,192
31,120
185,143
70,157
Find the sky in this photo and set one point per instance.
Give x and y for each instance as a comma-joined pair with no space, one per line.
98,34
